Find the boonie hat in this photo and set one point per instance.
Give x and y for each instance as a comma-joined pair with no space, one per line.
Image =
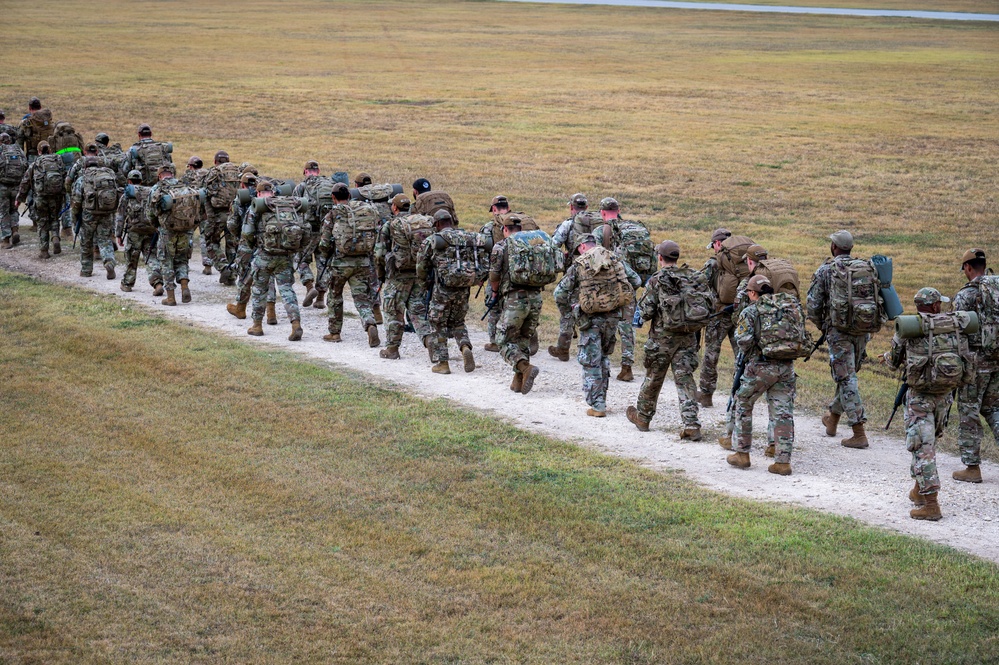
609,203
971,255
401,201
756,252
719,234
757,282
578,200
842,239
498,199
929,296
421,185
668,250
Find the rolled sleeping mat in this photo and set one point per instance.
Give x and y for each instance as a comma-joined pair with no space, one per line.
169,148
129,192
884,267
911,325
341,177
244,196
284,187
260,204
166,203
203,195
893,306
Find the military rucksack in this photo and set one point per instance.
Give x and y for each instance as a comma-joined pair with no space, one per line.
221,184
356,235
320,192
732,267
41,127
527,223
48,174
938,361
64,137
430,202
182,205
603,281
532,259
376,192
136,199
686,300
12,164
636,243
782,275
988,316
283,227
408,233
148,157
461,258
781,332
100,190
854,296
584,223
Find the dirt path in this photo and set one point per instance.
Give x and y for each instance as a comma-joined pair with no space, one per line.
869,485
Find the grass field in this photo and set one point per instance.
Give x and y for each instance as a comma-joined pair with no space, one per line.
170,495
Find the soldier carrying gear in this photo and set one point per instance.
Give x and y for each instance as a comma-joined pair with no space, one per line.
563,238
13,164
174,209
318,190
113,155
36,127
44,180
93,204
220,185
134,231
241,264
147,156
427,201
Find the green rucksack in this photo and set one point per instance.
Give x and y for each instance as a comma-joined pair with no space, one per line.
320,192
100,190
781,333
461,258
356,235
148,157
136,198
532,259
48,174
854,296
282,224
408,233
221,184
12,164
40,128
182,205
636,243
939,360
686,300
586,222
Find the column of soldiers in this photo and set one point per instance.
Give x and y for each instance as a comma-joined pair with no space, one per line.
411,255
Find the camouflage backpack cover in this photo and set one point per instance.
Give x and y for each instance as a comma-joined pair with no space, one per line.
136,200
780,328
221,184
182,207
939,360
988,316
376,192
430,202
48,174
100,190
532,259
782,275
12,164
356,235
685,298
319,189
408,233
586,222
41,128
282,225
461,258
603,281
636,243
148,157
854,296
732,268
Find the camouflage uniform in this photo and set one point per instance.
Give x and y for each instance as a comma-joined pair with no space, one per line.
776,378
402,292
980,398
27,139
114,157
846,352
448,306
94,227
135,162
339,271
521,310
719,327
45,208
174,249
566,310
664,349
195,178
131,215
269,267
9,217
493,317
307,189
243,260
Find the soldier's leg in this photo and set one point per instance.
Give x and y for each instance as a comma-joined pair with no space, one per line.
284,280
416,306
154,266
566,327
183,254
44,226
716,331
103,234
627,334
754,383
590,358
6,216
374,294
656,366
168,259
395,294
492,319
843,364
990,405
361,292
245,286
206,252
684,365
302,264
437,318
920,438
509,330
262,275
87,232
272,290
456,319
780,401
969,408
134,246
608,340
334,299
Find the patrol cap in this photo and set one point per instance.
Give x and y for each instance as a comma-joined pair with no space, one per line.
248,178
265,186
340,188
221,157
195,161
34,103
929,296
134,174
443,215
578,200
167,168
421,185
756,253
247,166
499,199
842,239
91,148
720,235
757,282
311,165
668,250
971,255
401,201
145,129
103,138
609,203
513,220
362,179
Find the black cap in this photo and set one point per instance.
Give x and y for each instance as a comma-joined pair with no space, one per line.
421,185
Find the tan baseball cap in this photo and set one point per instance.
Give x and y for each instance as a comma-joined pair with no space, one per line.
499,199
401,201
757,282
842,239
668,250
719,234
756,253
971,255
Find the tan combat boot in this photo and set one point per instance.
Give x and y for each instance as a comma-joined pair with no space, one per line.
491,347
929,511
56,245
625,374
15,239
636,419
373,340
390,352
468,358
158,289
780,468
441,368
704,399
528,373
169,300
517,383
296,331
771,451
5,243
125,287
310,297
271,313
725,442
859,438
916,497
43,253
320,300
185,293
332,337
109,268
533,344
376,311
256,329
970,474
237,309
207,270
690,434
561,348
596,414
740,460
831,421
309,284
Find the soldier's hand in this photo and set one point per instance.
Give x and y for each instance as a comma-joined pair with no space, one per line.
492,300
883,358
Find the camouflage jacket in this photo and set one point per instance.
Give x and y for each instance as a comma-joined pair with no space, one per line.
251,239
710,271
746,335
425,259
194,177
131,211
237,216
9,130
969,299
327,245
498,269
76,170
115,158
817,302
156,193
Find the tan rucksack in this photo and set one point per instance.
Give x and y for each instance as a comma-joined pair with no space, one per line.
527,223
408,233
732,268
603,281
782,275
41,127
430,202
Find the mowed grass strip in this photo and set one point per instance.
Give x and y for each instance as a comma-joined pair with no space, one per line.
170,495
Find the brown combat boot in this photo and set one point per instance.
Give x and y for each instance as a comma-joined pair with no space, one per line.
256,329
373,340
928,511
596,414
309,284
859,438
320,300
533,344
169,300
704,399
15,239
636,418
441,368
5,243
517,383
56,245
158,289
271,313
690,434
44,253
109,268
67,232
390,352
529,373
376,311
468,358
740,460
970,474
207,270
780,468
296,331
561,348
332,337
916,497
185,293
126,288
771,451
725,442
310,297
493,348
831,421
237,309
625,374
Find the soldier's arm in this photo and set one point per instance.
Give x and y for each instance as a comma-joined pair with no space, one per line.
424,262
896,354
817,298
648,303
26,181
496,266
965,300
119,218
633,277
565,287
326,233
745,330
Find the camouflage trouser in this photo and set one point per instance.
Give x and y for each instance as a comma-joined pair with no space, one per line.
403,293
244,286
275,268
340,274
8,215
680,352
846,353
374,285
517,324
980,397
46,210
212,230
776,378
97,228
596,344
567,319
302,265
174,253
627,333
494,315
446,316
136,245
924,416
715,333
